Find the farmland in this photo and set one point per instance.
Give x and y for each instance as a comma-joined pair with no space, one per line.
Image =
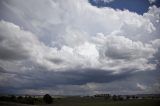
88,101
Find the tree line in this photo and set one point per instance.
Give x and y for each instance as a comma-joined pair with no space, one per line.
47,99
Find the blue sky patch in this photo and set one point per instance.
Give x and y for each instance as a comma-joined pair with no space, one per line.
138,6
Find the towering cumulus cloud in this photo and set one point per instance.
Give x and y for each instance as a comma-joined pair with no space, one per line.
56,46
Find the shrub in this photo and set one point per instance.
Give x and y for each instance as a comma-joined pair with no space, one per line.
47,99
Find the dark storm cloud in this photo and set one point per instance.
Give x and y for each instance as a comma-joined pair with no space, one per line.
40,79
72,80
77,77
80,77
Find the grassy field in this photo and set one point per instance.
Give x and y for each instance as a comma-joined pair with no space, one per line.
102,102
92,102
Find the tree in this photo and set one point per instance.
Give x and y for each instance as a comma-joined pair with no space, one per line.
12,98
29,100
47,99
20,99
120,98
107,96
128,97
114,97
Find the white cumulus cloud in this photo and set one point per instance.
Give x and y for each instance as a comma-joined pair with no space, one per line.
59,35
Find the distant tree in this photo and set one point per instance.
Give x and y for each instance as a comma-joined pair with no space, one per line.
114,97
120,98
29,100
107,96
133,97
20,99
3,98
47,99
128,97
12,98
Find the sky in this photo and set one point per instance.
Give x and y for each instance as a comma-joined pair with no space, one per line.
138,6
79,47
